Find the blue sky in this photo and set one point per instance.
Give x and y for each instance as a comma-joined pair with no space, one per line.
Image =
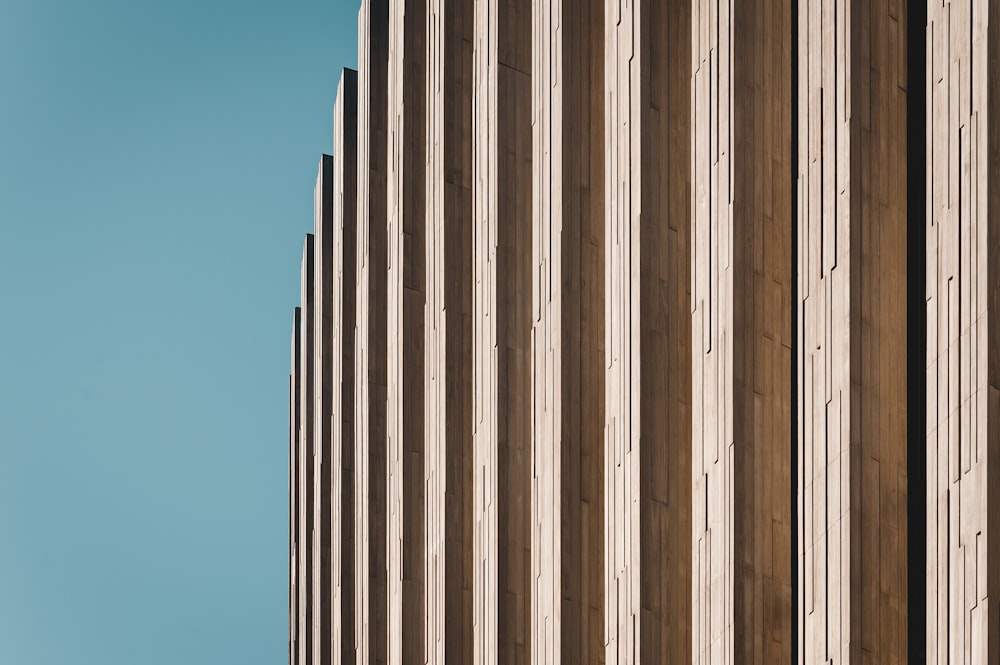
157,161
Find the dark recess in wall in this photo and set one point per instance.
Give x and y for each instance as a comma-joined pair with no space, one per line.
916,327
794,383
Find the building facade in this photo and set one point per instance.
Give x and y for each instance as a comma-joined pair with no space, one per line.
639,331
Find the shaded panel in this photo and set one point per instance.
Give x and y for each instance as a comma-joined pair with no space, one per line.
371,593
502,331
648,333
405,325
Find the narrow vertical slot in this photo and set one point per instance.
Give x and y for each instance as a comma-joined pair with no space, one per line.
916,329
794,383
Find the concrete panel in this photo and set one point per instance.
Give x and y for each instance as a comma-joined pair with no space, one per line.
567,542
448,332
371,508
741,332
306,453
852,267
648,332
345,196
406,294
502,331
325,586
963,357
293,492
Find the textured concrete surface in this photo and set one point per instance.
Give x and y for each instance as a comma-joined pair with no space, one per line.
647,332
344,299
370,356
607,341
406,294
963,354
502,331
742,517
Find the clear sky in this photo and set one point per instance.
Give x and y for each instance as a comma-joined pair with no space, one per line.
157,161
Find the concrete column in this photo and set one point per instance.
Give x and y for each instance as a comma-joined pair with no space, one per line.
648,332
567,544
742,331
324,585
448,332
502,331
306,453
405,324
293,494
963,349
345,196
852,267
371,592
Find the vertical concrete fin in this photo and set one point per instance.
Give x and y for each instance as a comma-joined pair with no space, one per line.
370,495
502,150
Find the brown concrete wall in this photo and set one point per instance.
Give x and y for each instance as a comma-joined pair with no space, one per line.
343,296
371,591
502,331
567,545
648,332
325,585
566,395
406,293
306,453
962,352
741,326
294,602
448,332
853,269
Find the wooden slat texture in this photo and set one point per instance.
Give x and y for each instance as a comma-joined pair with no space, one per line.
567,544
343,297
963,357
741,326
502,331
648,332
371,593
406,295
448,332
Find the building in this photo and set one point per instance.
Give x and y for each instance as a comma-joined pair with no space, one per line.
653,331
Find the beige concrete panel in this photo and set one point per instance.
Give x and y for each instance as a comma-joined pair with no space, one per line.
647,332
293,492
852,267
448,332
405,330
345,209
502,330
741,332
325,560
567,544
306,452
371,593
962,353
